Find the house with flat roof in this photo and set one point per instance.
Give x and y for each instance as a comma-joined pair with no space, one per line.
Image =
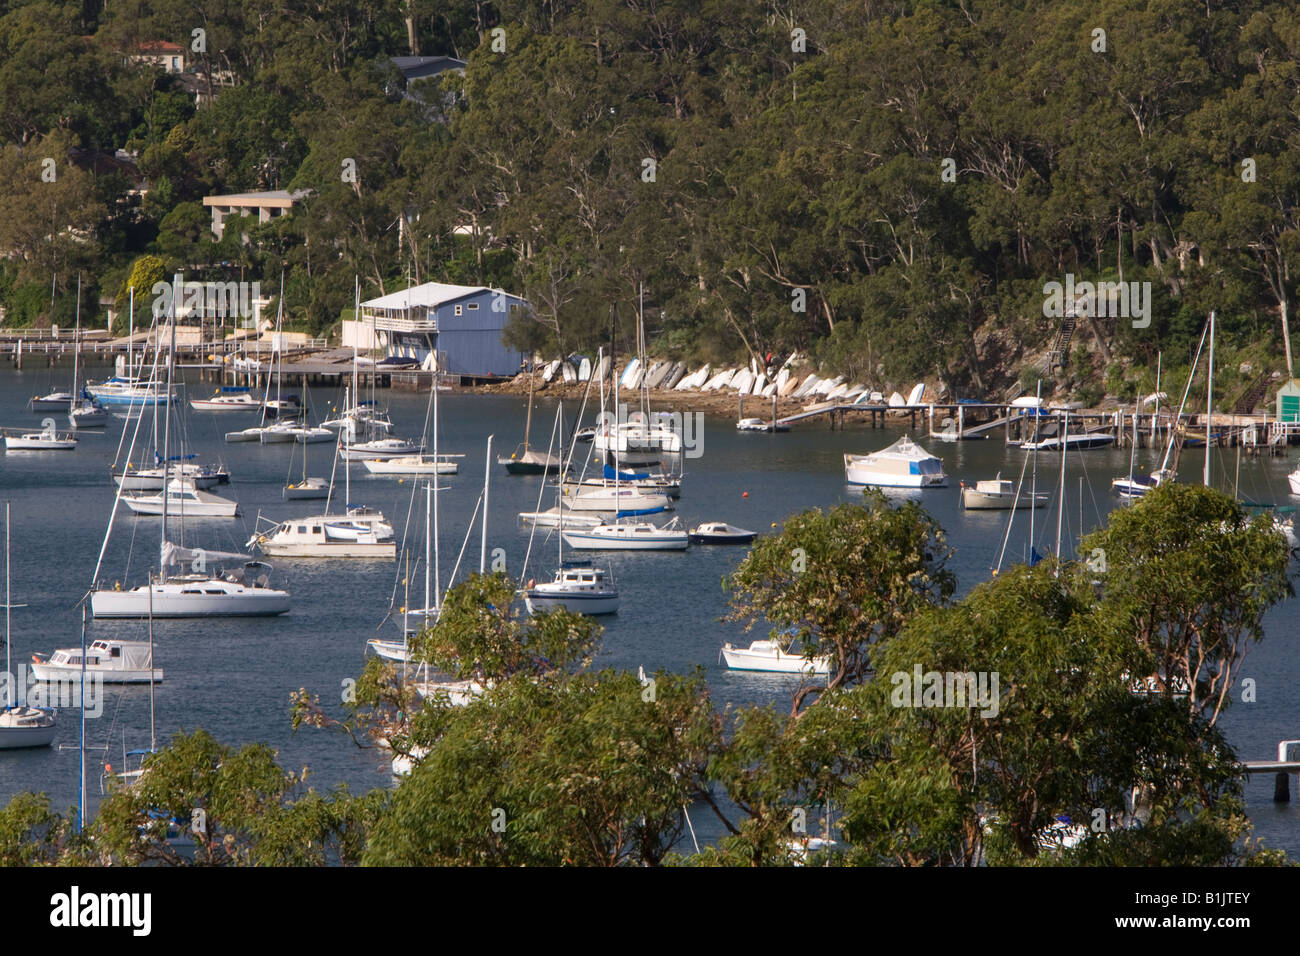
462,324
264,205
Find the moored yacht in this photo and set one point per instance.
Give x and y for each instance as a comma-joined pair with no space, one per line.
108,660
232,594
629,536
47,439
360,533
771,657
903,464
577,586
229,398
998,494
183,500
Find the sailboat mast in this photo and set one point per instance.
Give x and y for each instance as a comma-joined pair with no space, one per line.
487,476
177,286
9,667
1209,404
437,596
1060,508
153,733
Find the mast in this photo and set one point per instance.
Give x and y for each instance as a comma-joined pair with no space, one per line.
130,332
167,418
437,596
1034,492
9,668
487,475
81,786
1060,508
153,734
1209,403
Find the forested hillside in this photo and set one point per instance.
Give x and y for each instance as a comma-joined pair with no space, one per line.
886,185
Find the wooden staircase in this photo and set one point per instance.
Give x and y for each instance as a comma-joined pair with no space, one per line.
1249,400
1060,344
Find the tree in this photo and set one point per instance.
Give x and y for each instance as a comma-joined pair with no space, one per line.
1190,576
843,581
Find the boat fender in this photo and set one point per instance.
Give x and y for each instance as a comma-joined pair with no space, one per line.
532,582
117,585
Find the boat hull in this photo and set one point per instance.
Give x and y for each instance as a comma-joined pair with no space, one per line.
591,604
72,674
168,601
973,500
385,550
585,541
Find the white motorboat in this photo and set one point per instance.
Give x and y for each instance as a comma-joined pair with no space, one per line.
411,465
307,488
108,660
151,479
458,693
903,464
577,586
719,532
246,434
360,533
230,398
771,657
289,407
47,439
636,439
998,494
183,500
1293,480
127,391
380,448
628,536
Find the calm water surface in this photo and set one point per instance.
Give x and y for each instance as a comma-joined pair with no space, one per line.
233,678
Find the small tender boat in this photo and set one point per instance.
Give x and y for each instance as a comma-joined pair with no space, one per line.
577,586
183,500
901,465
760,425
230,398
771,657
411,465
110,661
719,532
628,536
47,439
307,488
998,494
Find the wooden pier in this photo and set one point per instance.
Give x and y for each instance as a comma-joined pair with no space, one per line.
1281,767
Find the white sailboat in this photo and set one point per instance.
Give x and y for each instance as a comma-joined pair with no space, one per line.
85,411
202,592
21,726
629,536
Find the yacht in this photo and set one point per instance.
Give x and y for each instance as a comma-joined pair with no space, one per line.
771,657
199,594
719,532
47,439
998,494
612,498
184,501
380,448
108,660
229,398
628,536
88,414
901,465
360,533
411,465
307,488
151,479
577,586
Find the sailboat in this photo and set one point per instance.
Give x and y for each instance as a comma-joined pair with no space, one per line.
644,441
201,592
578,585
525,460
20,726
86,412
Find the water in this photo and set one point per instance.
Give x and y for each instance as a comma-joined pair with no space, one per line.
233,677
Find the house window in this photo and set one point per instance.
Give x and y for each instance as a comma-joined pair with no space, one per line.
458,310
473,306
